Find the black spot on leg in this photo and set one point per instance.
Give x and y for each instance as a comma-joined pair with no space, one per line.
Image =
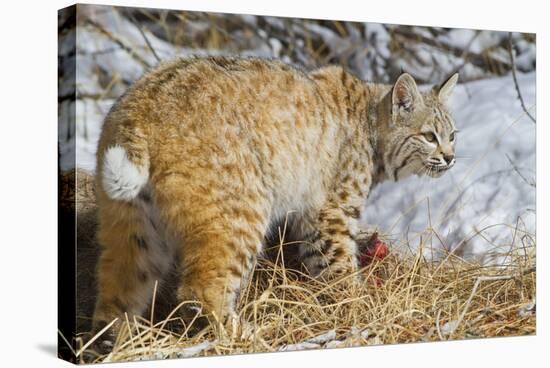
332,231
316,237
312,237
142,276
337,253
141,243
353,212
327,244
119,304
344,232
343,195
310,252
145,196
337,221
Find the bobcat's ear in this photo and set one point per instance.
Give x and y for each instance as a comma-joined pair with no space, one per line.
446,88
405,94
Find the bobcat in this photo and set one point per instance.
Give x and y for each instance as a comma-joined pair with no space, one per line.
201,157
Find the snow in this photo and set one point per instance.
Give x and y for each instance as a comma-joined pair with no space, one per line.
195,350
483,205
473,40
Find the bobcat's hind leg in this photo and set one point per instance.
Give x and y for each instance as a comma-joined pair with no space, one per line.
131,261
220,243
214,267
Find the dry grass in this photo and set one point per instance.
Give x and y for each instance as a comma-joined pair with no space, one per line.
401,299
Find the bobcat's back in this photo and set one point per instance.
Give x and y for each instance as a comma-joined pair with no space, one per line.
229,122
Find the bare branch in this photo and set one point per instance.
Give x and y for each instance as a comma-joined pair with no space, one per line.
140,29
119,42
516,169
513,67
477,59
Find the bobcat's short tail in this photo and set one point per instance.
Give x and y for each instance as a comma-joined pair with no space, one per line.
122,179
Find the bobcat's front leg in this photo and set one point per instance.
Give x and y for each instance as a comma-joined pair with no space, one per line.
331,249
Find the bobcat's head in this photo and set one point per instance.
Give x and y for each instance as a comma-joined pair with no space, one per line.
422,134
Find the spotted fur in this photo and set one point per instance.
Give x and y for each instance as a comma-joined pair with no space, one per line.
201,157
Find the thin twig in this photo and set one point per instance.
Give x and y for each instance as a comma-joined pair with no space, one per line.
140,29
516,169
66,342
437,325
119,42
153,311
477,59
91,341
473,293
514,76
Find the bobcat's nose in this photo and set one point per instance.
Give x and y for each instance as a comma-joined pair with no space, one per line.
448,158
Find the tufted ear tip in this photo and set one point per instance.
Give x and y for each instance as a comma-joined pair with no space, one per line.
405,76
446,89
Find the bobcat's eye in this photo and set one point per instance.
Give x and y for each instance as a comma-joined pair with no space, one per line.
430,137
452,137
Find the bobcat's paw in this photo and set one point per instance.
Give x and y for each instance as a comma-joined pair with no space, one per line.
105,334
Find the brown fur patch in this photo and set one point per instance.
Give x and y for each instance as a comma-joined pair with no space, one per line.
230,146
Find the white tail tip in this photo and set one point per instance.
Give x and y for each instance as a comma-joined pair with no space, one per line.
122,179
